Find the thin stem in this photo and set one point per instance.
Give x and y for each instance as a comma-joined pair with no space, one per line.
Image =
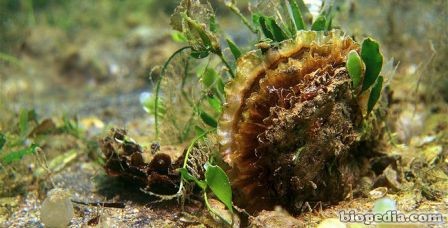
190,147
221,56
156,102
187,154
236,11
213,211
184,80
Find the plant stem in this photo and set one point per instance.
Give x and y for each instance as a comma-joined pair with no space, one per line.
236,11
221,56
156,102
190,147
213,211
184,80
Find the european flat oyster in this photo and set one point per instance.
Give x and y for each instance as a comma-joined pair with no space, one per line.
290,126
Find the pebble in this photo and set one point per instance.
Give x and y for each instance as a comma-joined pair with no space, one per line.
57,208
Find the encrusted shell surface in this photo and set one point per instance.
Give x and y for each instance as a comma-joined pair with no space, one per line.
289,123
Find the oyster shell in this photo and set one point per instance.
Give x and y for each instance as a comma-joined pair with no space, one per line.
289,125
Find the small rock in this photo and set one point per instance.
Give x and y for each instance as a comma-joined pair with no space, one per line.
221,209
57,209
389,179
331,223
277,218
378,192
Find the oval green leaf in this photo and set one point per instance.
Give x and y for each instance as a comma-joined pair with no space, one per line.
198,131
375,94
178,37
199,54
265,28
209,77
215,103
354,67
219,183
188,177
208,119
319,24
220,87
278,33
256,19
297,15
212,24
370,54
234,49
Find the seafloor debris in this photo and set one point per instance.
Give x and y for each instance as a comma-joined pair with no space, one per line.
149,169
292,124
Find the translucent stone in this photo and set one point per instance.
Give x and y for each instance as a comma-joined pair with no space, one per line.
57,209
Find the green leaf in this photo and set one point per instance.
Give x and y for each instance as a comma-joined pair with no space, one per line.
278,33
297,15
71,126
256,19
370,54
188,177
2,140
215,103
220,87
18,155
23,122
178,37
234,49
149,105
209,77
375,94
319,24
198,130
25,117
212,23
219,183
329,23
354,67
208,119
288,23
265,28
199,54
303,9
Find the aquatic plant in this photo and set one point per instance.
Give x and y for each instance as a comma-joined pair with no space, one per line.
13,146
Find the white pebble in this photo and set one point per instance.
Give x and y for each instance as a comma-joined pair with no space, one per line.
57,209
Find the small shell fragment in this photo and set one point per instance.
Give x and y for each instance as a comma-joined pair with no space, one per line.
378,192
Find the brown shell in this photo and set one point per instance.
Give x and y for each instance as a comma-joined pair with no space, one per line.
151,171
289,123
